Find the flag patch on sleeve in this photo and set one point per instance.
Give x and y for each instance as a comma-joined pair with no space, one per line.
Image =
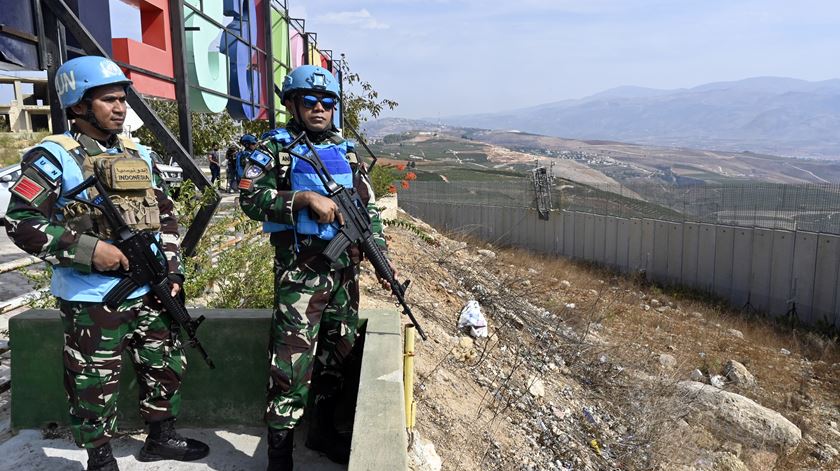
244,184
27,189
253,171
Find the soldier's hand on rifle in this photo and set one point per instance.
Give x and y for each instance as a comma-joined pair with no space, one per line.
107,257
383,282
176,288
322,207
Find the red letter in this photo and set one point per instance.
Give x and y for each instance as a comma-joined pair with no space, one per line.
153,54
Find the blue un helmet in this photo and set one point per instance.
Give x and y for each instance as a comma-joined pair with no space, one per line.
248,139
76,76
310,77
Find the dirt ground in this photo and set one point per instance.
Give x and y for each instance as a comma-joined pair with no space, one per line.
582,368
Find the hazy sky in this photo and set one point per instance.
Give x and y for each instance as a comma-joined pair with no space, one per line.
449,57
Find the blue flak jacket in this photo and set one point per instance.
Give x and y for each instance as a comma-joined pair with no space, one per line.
68,283
305,178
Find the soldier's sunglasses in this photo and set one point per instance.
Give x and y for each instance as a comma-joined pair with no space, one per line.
309,101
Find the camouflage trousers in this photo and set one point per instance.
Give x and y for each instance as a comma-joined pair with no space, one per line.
94,340
314,321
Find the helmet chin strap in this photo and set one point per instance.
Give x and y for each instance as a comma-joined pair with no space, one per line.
91,119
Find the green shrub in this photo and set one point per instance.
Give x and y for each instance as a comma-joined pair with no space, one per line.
382,178
236,276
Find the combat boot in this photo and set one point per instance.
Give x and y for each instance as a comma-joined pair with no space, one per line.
323,435
280,448
101,459
164,443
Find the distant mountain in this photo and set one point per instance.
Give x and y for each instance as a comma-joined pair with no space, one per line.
781,116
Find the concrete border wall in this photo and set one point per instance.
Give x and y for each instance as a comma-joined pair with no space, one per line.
772,271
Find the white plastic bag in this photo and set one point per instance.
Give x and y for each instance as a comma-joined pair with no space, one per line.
472,317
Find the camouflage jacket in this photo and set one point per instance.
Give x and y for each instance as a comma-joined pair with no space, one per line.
268,196
32,225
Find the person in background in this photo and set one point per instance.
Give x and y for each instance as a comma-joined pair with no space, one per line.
75,240
215,170
315,316
231,169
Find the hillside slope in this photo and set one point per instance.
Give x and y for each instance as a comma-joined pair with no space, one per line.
620,161
587,370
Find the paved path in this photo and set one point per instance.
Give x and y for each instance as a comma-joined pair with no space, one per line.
12,284
234,449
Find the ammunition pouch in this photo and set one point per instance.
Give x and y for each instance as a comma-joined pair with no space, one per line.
129,181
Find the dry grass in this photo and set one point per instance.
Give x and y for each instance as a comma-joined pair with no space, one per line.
11,145
698,332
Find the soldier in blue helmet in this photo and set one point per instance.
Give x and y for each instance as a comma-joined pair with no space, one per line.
249,144
230,168
75,241
313,326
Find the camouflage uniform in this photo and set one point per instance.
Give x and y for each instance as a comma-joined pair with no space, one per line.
94,335
315,305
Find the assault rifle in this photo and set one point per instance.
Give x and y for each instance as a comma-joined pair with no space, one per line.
356,228
144,266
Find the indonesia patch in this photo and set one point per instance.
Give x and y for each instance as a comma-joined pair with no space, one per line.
27,189
244,184
253,171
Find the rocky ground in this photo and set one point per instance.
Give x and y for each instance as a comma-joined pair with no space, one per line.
587,370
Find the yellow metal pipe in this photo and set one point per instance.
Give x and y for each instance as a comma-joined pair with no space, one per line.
408,375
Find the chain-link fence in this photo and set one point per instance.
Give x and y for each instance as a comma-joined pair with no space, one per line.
807,207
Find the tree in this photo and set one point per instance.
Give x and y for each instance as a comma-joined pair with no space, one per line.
208,129
256,127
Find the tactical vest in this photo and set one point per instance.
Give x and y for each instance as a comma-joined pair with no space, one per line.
69,283
126,176
304,178
240,161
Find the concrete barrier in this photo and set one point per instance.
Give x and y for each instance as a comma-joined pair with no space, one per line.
599,239
580,235
825,278
610,242
648,245
674,261
724,244
741,265
659,252
690,244
706,243
804,264
762,258
635,257
548,243
569,218
379,436
771,270
233,393
781,272
622,244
